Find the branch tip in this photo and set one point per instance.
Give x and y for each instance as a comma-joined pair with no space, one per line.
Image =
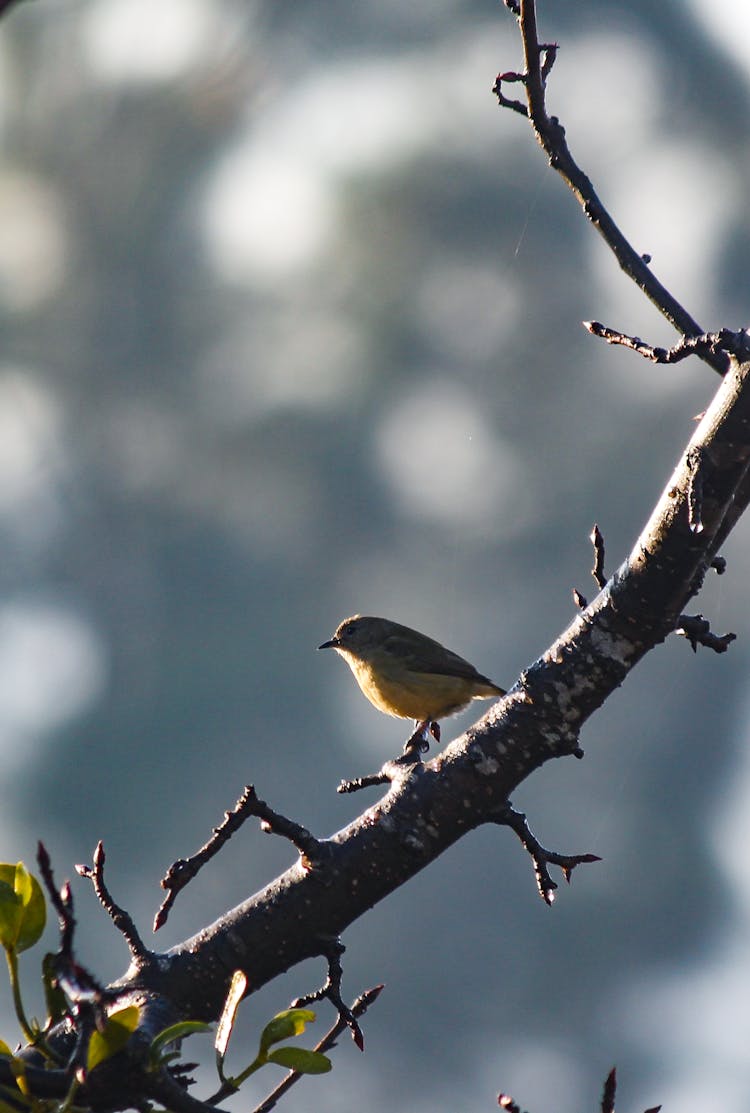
332,950
609,1092
183,870
121,919
505,1101
540,856
597,540
697,630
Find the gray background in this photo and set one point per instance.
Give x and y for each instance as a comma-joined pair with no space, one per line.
291,329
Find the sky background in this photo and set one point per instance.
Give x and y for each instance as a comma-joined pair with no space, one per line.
291,329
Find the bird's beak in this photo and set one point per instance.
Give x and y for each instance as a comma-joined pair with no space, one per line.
329,644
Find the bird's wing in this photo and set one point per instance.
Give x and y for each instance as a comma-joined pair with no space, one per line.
443,663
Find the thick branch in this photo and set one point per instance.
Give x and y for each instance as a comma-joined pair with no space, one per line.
434,804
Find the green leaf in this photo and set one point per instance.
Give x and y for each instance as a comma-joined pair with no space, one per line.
300,1060
23,911
176,1032
117,1031
290,1022
4,1049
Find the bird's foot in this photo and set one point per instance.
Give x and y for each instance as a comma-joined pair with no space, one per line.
418,742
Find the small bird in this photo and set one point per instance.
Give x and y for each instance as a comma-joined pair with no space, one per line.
406,674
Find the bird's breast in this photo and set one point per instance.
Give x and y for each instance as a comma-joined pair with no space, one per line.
395,690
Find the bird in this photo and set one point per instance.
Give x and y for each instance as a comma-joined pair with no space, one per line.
408,675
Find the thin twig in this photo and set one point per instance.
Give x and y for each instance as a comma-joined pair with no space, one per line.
62,900
609,1092
333,949
540,856
182,872
122,920
551,136
711,343
363,782
597,540
697,630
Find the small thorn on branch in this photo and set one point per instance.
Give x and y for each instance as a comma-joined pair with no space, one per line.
396,770
119,917
697,630
332,950
549,54
609,1092
363,782
597,571
540,856
597,540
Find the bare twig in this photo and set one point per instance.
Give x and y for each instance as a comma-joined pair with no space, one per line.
707,343
276,824
551,136
541,857
368,781
333,949
697,630
597,571
120,918
62,900
506,1102
609,1092
397,769
182,872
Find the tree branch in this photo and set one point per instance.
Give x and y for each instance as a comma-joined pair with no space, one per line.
550,135
434,804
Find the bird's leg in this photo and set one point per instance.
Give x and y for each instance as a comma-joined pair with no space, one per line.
417,742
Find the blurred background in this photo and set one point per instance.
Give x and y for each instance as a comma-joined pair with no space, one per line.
291,329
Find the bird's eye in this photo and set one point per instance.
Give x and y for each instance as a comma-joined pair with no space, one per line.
350,628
